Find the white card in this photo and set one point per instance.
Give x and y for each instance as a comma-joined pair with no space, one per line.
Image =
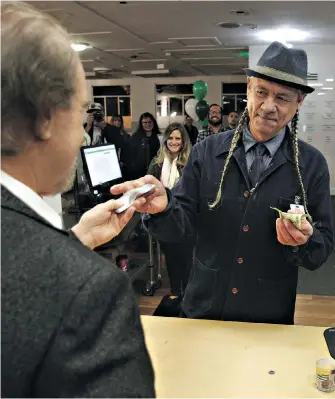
295,207
130,196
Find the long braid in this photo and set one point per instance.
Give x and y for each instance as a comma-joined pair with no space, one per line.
295,144
237,135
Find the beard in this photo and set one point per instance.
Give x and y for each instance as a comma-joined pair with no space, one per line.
215,123
67,184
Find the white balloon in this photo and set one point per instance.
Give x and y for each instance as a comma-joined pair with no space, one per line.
190,108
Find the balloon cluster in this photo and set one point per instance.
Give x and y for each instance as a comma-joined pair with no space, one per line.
197,108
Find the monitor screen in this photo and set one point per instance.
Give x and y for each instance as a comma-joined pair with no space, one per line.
102,164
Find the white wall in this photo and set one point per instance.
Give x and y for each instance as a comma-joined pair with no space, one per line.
317,115
143,90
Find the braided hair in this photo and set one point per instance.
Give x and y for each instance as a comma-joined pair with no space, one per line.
237,136
295,145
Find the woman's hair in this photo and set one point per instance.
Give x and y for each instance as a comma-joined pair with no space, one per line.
236,138
186,145
38,74
155,128
117,116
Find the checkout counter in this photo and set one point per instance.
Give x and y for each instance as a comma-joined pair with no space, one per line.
211,359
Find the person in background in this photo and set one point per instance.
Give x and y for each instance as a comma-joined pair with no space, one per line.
167,167
247,259
70,325
191,129
215,123
96,125
142,147
117,120
232,120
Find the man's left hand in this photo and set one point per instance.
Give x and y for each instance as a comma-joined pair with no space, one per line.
288,234
101,224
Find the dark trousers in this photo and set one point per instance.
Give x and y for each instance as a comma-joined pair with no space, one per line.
179,262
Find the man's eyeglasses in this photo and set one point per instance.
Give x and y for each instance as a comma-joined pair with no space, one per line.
214,113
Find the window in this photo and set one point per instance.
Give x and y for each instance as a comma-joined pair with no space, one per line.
115,100
170,103
124,106
176,106
233,97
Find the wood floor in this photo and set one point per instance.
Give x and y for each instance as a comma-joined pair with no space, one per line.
311,310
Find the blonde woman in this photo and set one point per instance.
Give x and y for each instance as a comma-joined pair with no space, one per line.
168,168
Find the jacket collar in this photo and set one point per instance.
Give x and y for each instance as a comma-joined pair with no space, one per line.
286,146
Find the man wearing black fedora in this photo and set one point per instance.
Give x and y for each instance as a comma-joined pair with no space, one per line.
247,260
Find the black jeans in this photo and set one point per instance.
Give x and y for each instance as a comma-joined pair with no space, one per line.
179,262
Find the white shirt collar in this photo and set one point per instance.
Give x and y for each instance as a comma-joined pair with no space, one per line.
31,199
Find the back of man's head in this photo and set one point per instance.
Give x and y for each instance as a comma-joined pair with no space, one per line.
38,74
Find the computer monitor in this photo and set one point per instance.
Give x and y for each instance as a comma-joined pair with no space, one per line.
101,166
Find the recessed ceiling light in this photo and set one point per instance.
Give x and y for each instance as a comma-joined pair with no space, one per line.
315,84
239,12
228,25
327,88
283,35
330,80
80,46
321,94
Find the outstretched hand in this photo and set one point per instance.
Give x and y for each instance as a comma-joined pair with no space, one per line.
101,224
155,202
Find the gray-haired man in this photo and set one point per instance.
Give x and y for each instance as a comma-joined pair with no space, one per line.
69,322
247,260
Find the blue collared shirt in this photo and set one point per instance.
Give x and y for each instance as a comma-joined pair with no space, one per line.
272,145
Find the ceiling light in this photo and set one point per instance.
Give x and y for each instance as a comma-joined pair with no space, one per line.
228,25
80,46
316,84
330,80
283,35
327,88
174,114
321,94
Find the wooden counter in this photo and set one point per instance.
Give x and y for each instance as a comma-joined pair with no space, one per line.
202,358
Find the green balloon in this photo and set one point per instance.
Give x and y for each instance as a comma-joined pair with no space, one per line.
202,109
200,89
204,123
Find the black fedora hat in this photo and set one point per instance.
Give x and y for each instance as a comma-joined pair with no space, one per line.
284,66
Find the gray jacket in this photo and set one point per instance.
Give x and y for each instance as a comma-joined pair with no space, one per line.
70,325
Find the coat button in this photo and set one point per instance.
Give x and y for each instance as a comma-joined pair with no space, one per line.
234,291
246,228
240,260
295,249
246,194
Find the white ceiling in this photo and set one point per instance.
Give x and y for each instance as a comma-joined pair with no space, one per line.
181,35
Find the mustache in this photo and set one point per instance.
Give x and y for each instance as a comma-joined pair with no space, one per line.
266,115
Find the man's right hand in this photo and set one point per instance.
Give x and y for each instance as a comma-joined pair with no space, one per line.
155,202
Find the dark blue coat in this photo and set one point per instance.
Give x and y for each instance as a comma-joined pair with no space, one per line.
241,272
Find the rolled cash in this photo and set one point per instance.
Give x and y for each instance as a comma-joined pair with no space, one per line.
295,218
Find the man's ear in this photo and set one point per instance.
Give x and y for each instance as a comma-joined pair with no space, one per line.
300,102
249,84
45,130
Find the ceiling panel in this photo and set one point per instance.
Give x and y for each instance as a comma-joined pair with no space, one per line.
182,34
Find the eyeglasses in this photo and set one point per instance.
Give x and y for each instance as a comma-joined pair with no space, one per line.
214,113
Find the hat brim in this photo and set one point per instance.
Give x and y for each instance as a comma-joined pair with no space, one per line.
251,73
